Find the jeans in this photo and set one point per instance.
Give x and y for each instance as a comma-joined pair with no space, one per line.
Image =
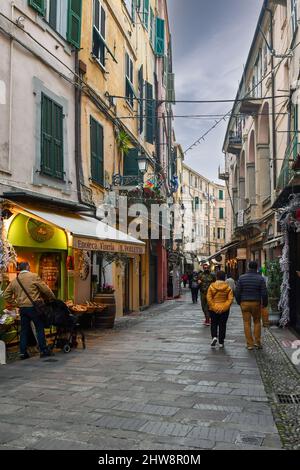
195,295
28,314
204,305
252,309
219,322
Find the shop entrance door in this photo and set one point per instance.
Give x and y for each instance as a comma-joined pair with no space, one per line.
153,279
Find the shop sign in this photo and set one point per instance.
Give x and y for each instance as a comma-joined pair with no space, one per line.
241,253
240,218
107,246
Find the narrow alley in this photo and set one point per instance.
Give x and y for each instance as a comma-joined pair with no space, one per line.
152,383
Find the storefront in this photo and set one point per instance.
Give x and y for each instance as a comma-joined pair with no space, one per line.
68,250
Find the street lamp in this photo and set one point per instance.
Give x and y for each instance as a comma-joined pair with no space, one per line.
143,163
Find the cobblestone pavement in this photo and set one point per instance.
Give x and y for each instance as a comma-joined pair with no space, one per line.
151,383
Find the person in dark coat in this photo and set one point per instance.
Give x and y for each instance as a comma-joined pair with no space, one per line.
251,294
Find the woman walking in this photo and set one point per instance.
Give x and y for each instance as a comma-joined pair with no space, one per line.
219,298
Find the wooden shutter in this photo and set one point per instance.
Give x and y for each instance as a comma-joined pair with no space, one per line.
149,114
38,5
160,37
74,22
97,157
146,14
131,167
52,138
141,103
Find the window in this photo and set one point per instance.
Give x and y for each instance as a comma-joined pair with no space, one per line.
99,32
221,233
221,213
294,122
131,166
221,194
129,90
196,203
150,113
146,13
152,27
63,17
160,37
52,145
130,5
294,15
97,160
141,100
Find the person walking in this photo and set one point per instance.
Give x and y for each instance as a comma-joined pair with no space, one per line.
206,278
231,282
22,292
251,294
185,279
264,310
219,299
195,287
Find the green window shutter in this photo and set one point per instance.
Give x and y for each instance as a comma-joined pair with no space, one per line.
160,37
146,14
141,103
38,5
97,157
151,27
149,114
52,138
221,195
221,213
74,22
131,167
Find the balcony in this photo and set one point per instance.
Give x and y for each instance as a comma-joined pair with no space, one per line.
250,105
289,178
235,143
223,174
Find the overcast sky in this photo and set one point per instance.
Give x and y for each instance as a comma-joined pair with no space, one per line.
211,41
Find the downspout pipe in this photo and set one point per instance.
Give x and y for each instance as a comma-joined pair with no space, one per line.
274,136
78,155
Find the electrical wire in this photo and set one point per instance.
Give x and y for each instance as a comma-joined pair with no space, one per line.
202,138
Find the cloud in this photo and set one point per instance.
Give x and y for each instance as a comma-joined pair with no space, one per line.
211,41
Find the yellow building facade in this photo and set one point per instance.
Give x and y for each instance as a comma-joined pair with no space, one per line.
117,65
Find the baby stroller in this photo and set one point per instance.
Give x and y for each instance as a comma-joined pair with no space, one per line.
67,327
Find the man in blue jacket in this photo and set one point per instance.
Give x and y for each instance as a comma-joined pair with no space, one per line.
251,294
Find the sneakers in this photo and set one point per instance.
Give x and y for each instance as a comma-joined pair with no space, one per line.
214,342
24,356
46,354
258,346
250,348
207,322
221,346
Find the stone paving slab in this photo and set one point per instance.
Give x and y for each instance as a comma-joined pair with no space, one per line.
151,383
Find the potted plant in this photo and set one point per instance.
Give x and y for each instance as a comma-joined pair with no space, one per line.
274,282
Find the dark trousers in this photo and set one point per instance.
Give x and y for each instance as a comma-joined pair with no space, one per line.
195,295
28,315
218,325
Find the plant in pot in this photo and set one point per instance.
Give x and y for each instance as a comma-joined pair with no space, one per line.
275,278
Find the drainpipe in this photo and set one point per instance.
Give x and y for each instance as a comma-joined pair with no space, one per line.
274,136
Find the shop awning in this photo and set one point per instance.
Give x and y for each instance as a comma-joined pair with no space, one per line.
224,249
88,233
277,241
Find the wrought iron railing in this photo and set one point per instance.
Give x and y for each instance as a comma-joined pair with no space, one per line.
287,171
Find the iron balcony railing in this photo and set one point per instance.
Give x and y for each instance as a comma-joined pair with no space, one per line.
287,173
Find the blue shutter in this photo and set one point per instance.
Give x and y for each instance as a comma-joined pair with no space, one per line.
160,37
74,22
146,14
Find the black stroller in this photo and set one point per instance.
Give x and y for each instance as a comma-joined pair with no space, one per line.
67,328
